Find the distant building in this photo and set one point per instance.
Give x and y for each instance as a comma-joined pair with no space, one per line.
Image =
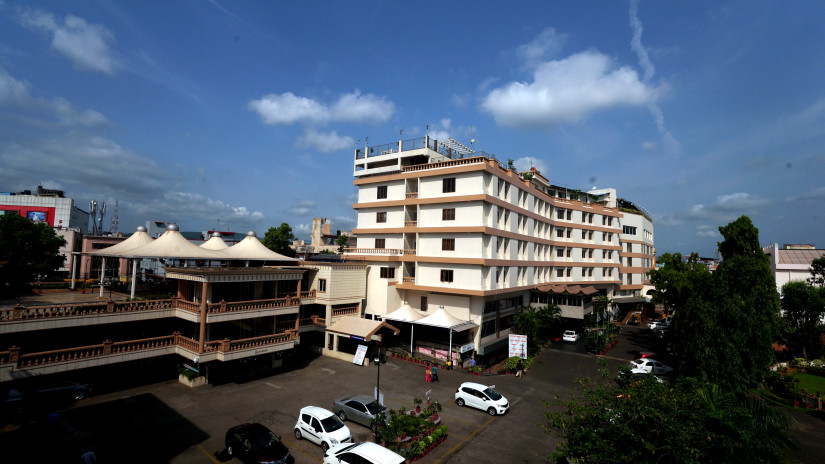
322,240
791,262
45,205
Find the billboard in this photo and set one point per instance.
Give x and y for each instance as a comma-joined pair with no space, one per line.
36,216
518,346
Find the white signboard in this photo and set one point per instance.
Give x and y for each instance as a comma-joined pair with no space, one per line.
467,347
360,355
518,346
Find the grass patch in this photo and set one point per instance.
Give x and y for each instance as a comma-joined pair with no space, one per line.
811,383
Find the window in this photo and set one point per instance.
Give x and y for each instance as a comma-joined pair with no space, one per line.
628,230
381,216
560,253
322,285
380,243
560,272
382,192
387,272
559,213
569,251
569,214
448,214
569,231
569,271
446,275
560,232
448,244
448,185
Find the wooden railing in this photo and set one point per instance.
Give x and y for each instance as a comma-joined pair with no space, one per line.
344,311
445,164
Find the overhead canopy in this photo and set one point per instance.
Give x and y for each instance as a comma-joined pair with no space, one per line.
568,289
404,314
252,248
137,240
361,328
173,245
215,243
441,318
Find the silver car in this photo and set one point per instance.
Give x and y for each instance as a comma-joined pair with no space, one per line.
362,409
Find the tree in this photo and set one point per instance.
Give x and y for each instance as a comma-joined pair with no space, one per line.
342,241
687,421
726,321
818,271
537,323
29,248
279,239
803,306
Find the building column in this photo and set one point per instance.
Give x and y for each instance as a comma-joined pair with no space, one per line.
102,273
202,341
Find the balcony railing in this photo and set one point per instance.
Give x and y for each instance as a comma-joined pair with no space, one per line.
408,280
42,358
410,223
336,312
412,194
409,251
444,164
374,251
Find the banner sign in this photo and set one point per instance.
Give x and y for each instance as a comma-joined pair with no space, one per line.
360,354
518,346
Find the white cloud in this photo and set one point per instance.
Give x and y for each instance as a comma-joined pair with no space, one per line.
302,208
88,46
362,109
288,108
524,164
650,146
546,45
817,194
324,141
728,206
176,205
568,90
705,230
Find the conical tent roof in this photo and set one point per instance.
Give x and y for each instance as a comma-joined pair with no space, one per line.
441,318
137,240
404,314
215,243
252,248
174,245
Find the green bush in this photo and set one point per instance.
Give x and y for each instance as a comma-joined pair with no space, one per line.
510,364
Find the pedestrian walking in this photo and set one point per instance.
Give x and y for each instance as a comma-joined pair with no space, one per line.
435,373
519,368
428,373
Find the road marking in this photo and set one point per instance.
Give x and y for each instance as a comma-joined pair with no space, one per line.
394,367
473,433
327,370
277,387
207,453
295,446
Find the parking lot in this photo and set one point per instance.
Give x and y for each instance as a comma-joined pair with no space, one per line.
169,422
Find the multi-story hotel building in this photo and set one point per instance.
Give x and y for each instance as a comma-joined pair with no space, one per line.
443,227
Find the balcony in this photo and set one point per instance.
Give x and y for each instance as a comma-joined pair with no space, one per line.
410,223
412,194
345,311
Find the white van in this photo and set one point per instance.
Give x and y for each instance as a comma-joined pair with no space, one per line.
321,427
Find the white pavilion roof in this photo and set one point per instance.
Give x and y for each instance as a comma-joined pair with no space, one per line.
137,240
404,314
215,243
252,248
441,318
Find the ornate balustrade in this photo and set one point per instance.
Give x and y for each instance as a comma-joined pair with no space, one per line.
23,313
308,294
345,311
259,341
187,305
409,252
186,343
142,344
314,320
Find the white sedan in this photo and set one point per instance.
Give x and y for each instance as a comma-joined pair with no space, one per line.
651,366
570,336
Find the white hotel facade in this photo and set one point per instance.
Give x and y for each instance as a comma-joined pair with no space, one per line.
444,227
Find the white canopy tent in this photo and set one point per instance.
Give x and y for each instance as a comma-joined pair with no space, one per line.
215,243
441,318
138,239
406,314
252,249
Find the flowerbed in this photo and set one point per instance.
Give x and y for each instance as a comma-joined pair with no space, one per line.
413,433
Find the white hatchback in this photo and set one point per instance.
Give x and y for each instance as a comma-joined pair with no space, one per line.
321,427
365,453
482,397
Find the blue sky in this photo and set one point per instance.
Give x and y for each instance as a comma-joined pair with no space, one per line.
245,114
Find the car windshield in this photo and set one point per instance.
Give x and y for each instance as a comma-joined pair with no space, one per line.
263,440
331,423
375,408
494,395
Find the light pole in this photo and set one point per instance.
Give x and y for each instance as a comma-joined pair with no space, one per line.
379,359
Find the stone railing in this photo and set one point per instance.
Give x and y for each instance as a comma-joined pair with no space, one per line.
308,294
235,306
374,251
23,313
314,320
336,312
187,305
108,347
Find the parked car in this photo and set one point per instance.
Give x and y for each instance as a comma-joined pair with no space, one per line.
321,427
365,453
482,397
650,366
51,394
657,325
362,409
570,336
255,443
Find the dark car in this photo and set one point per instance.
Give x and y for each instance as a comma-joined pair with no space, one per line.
362,409
48,395
257,444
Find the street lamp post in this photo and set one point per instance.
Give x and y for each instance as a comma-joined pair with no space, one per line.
378,360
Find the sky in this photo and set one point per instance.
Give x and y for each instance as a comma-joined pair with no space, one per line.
244,115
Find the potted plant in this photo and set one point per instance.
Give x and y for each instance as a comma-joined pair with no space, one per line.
417,402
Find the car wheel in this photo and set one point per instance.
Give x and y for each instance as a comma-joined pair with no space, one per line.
491,411
460,402
324,446
343,416
229,450
298,435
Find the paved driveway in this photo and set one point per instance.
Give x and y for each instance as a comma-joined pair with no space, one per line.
168,422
